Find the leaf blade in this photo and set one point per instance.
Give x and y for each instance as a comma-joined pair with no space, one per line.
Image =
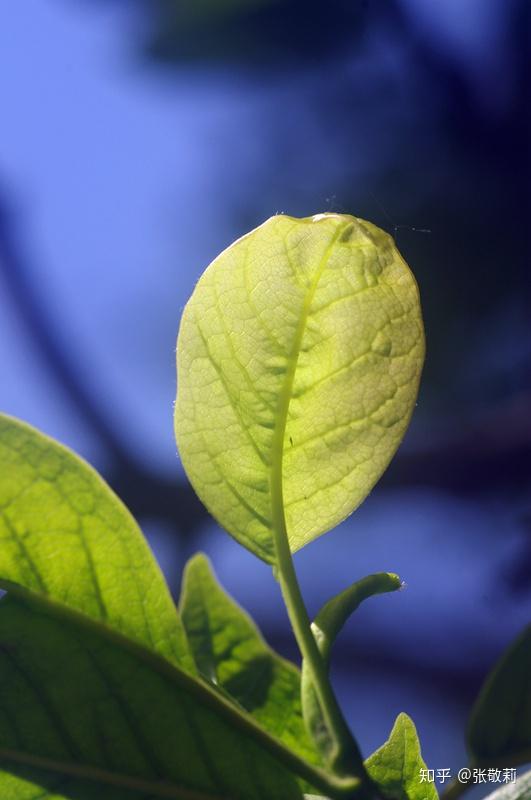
67,537
94,706
396,766
499,730
301,346
230,652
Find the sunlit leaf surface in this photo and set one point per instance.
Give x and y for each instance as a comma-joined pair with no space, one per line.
397,766
299,358
65,536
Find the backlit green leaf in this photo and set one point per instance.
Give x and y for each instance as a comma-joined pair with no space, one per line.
397,766
325,628
86,714
230,652
299,358
500,724
65,536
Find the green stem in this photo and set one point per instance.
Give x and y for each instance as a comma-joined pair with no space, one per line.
346,757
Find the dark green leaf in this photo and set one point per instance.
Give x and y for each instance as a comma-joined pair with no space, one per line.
81,705
397,766
326,627
65,536
499,732
230,652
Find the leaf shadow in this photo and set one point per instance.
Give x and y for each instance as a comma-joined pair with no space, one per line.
251,685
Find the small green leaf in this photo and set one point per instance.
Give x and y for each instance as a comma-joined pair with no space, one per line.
325,628
65,536
333,615
86,713
230,652
299,358
520,790
499,732
397,766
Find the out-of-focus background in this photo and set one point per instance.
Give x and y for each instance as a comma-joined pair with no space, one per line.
139,138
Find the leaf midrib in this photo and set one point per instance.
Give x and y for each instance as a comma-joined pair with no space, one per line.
286,392
161,789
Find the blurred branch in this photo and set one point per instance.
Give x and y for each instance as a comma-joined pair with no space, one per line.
253,33
145,494
488,454
482,454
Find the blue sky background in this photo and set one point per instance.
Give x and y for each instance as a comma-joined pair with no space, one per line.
120,179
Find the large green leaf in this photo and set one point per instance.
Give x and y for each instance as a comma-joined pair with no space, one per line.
230,652
299,358
326,627
397,766
86,713
65,536
499,731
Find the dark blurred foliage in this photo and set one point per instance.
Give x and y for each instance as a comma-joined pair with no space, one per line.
457,159
365,112
450,179
268,34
